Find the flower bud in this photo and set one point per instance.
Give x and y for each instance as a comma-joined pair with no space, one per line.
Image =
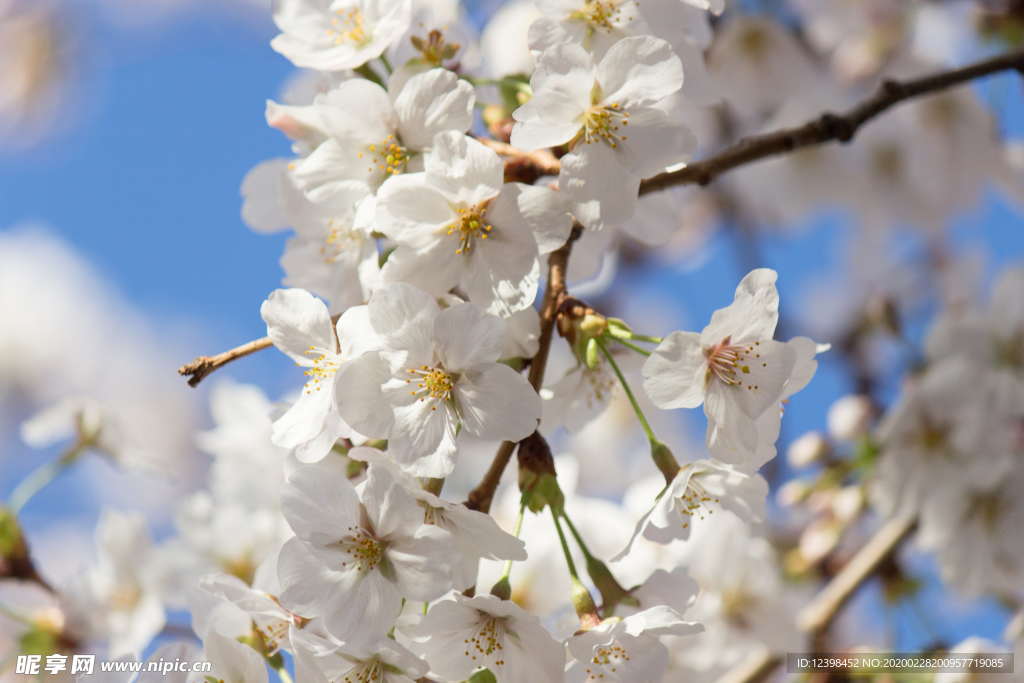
850,417
807,450
792,492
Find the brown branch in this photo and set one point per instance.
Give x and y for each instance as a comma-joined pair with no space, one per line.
815,618
202,366
521,165
480,498
828,127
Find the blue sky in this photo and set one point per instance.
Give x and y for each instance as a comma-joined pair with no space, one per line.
146,187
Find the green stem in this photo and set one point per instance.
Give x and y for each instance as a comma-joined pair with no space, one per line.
629,393
369,74
387,64
632,346
283,674
39,478
565,548
579,538
646,338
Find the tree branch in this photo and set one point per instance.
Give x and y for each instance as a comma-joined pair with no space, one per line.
815,618
480,498
828,127
202,366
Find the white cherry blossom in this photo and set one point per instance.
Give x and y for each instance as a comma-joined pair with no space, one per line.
384,136
300,327
700,489
733,366
332,35
627,649
476,536
357,553
458,225
436,374
615,115
461,635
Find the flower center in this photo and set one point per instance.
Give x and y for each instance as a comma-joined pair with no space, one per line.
325,364
486,642
349,26
607,658
470,225
598,14
273,634
370,672
388,156
431,383
727,362
338,241
695,502
363,550
602,122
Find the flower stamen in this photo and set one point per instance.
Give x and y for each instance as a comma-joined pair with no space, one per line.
471,224
433,383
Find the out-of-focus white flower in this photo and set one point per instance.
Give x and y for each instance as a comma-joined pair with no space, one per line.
850,417
807,450
118,599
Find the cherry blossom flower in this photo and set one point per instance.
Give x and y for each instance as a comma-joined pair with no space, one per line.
384,136
614,115
436,373
458,225
357,553
301,328
461,635
119,599
475,535
699,490
627,649
332,35
733,366
384,661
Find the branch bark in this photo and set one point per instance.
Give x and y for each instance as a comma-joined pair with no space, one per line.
480,498
202,366
815,618
828,127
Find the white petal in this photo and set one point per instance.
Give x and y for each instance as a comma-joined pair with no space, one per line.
496,402
639,70
466,336
674,374
433,102
298,323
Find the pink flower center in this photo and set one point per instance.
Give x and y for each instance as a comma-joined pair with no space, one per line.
727,361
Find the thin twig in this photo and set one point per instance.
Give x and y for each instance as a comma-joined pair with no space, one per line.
828,127
815,618
480,498
202,366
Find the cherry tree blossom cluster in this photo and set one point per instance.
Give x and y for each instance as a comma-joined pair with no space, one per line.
423,505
